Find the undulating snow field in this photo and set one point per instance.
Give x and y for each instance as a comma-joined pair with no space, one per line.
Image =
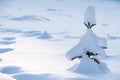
25,55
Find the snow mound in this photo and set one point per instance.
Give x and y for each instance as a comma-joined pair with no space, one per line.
89,17
45,35
10,70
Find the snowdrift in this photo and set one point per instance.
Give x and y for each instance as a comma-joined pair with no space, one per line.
45,35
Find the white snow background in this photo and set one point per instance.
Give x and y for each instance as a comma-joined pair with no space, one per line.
25,55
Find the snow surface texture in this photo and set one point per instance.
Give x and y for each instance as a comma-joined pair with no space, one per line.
26,18
32,33
40,58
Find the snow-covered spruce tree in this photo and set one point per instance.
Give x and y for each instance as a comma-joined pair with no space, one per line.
90,49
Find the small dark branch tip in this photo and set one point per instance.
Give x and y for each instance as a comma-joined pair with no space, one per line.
86,25
92,25
76,57
89,24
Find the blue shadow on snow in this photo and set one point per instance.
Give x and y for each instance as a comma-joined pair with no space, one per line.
3,50
7,42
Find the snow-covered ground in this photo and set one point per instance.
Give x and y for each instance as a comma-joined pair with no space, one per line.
25,55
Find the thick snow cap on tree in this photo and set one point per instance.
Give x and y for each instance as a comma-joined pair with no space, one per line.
89,42
89,17
87,66
45,35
